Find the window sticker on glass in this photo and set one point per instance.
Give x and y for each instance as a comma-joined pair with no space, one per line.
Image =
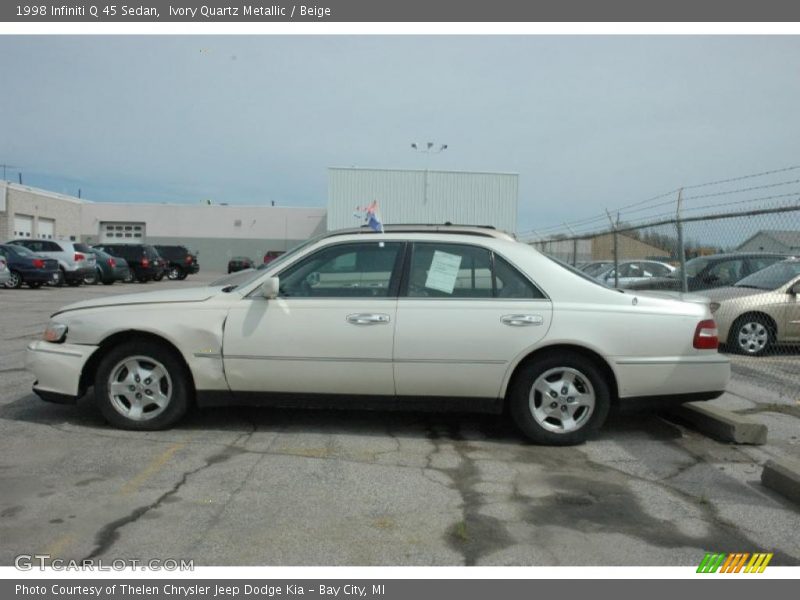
443,272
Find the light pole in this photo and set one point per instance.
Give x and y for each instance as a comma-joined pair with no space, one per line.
428,148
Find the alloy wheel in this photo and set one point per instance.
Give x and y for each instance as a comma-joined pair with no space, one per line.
562,400
140,388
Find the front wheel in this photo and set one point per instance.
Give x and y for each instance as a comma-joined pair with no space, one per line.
142,385
560,399
93,278
752,335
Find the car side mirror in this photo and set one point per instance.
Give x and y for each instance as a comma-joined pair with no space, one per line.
271,288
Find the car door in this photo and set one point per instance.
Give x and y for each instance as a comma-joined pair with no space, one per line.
463,317
330,330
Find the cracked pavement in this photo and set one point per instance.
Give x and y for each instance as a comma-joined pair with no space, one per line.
243,486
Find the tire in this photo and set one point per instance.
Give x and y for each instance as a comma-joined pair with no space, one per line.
34,285
751,335
540,416
108,282
176,273
143,279
129,277
158,277
59,282
94,278
15,281
169,394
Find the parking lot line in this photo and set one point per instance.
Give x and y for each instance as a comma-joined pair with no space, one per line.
152,468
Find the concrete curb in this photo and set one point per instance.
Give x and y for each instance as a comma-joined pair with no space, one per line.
783,476
723,425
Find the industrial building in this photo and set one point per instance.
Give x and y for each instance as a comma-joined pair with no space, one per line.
422,196
219,231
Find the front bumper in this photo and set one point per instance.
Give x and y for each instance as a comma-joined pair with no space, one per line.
57,368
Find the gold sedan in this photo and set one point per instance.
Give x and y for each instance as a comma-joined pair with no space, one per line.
761,310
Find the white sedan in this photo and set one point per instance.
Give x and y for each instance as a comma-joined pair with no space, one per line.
420,317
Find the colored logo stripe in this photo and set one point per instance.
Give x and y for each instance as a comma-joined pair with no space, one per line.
734,562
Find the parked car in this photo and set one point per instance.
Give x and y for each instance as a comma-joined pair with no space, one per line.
142,260
108,269
596,267
418,316
5,274
26,267
272,255
760,311
238,263
75,261
163,267
632,271
181,262
709,272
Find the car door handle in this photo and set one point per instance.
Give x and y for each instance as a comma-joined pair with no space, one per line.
367,318
521,320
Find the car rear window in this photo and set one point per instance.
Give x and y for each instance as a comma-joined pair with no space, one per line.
82,248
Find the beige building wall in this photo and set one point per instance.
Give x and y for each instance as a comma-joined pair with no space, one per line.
22,200
628,248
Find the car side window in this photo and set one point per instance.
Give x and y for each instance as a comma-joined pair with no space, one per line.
658,270
463,271
357,270
762,262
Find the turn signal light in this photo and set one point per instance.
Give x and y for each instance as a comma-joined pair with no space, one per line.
706,336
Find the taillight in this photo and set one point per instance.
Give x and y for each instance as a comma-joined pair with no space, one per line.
112,262
188,260
38,263
79,257
145,263
706,336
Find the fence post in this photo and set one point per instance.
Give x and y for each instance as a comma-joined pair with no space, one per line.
575,252
616,250
681,247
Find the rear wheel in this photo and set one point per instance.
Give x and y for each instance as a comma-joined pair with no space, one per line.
14,280
560,400
128,278
142,385
175,272
60,277
753,335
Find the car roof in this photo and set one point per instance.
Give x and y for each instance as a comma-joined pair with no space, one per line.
449,228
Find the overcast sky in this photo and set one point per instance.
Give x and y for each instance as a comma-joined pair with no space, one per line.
587,122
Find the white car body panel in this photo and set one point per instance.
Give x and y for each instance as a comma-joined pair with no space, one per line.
243,342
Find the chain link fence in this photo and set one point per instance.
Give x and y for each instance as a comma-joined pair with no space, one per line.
745,260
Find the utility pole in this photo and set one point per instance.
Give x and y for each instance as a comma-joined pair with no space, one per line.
681,247
428,149
616,249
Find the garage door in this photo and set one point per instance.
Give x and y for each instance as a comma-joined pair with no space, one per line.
23,226
126,233
46,229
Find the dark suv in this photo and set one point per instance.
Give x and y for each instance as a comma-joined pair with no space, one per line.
708,272
142,259
180,262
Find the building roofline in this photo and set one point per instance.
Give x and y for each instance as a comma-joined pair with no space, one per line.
422,171
47,193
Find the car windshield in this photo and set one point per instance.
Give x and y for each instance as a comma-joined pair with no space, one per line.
578,272
19,250
772,277
693,268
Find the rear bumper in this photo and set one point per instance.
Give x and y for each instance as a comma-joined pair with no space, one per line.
671,376
79,274
38,276
57,368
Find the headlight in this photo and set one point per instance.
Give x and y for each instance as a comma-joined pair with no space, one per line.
55,332
714,306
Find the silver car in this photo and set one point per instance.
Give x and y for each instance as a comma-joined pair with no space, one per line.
5,274
75,260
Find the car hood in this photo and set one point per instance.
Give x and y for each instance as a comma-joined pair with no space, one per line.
195,294
728,293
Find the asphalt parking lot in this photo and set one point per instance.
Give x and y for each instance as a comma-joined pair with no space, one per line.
292,487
